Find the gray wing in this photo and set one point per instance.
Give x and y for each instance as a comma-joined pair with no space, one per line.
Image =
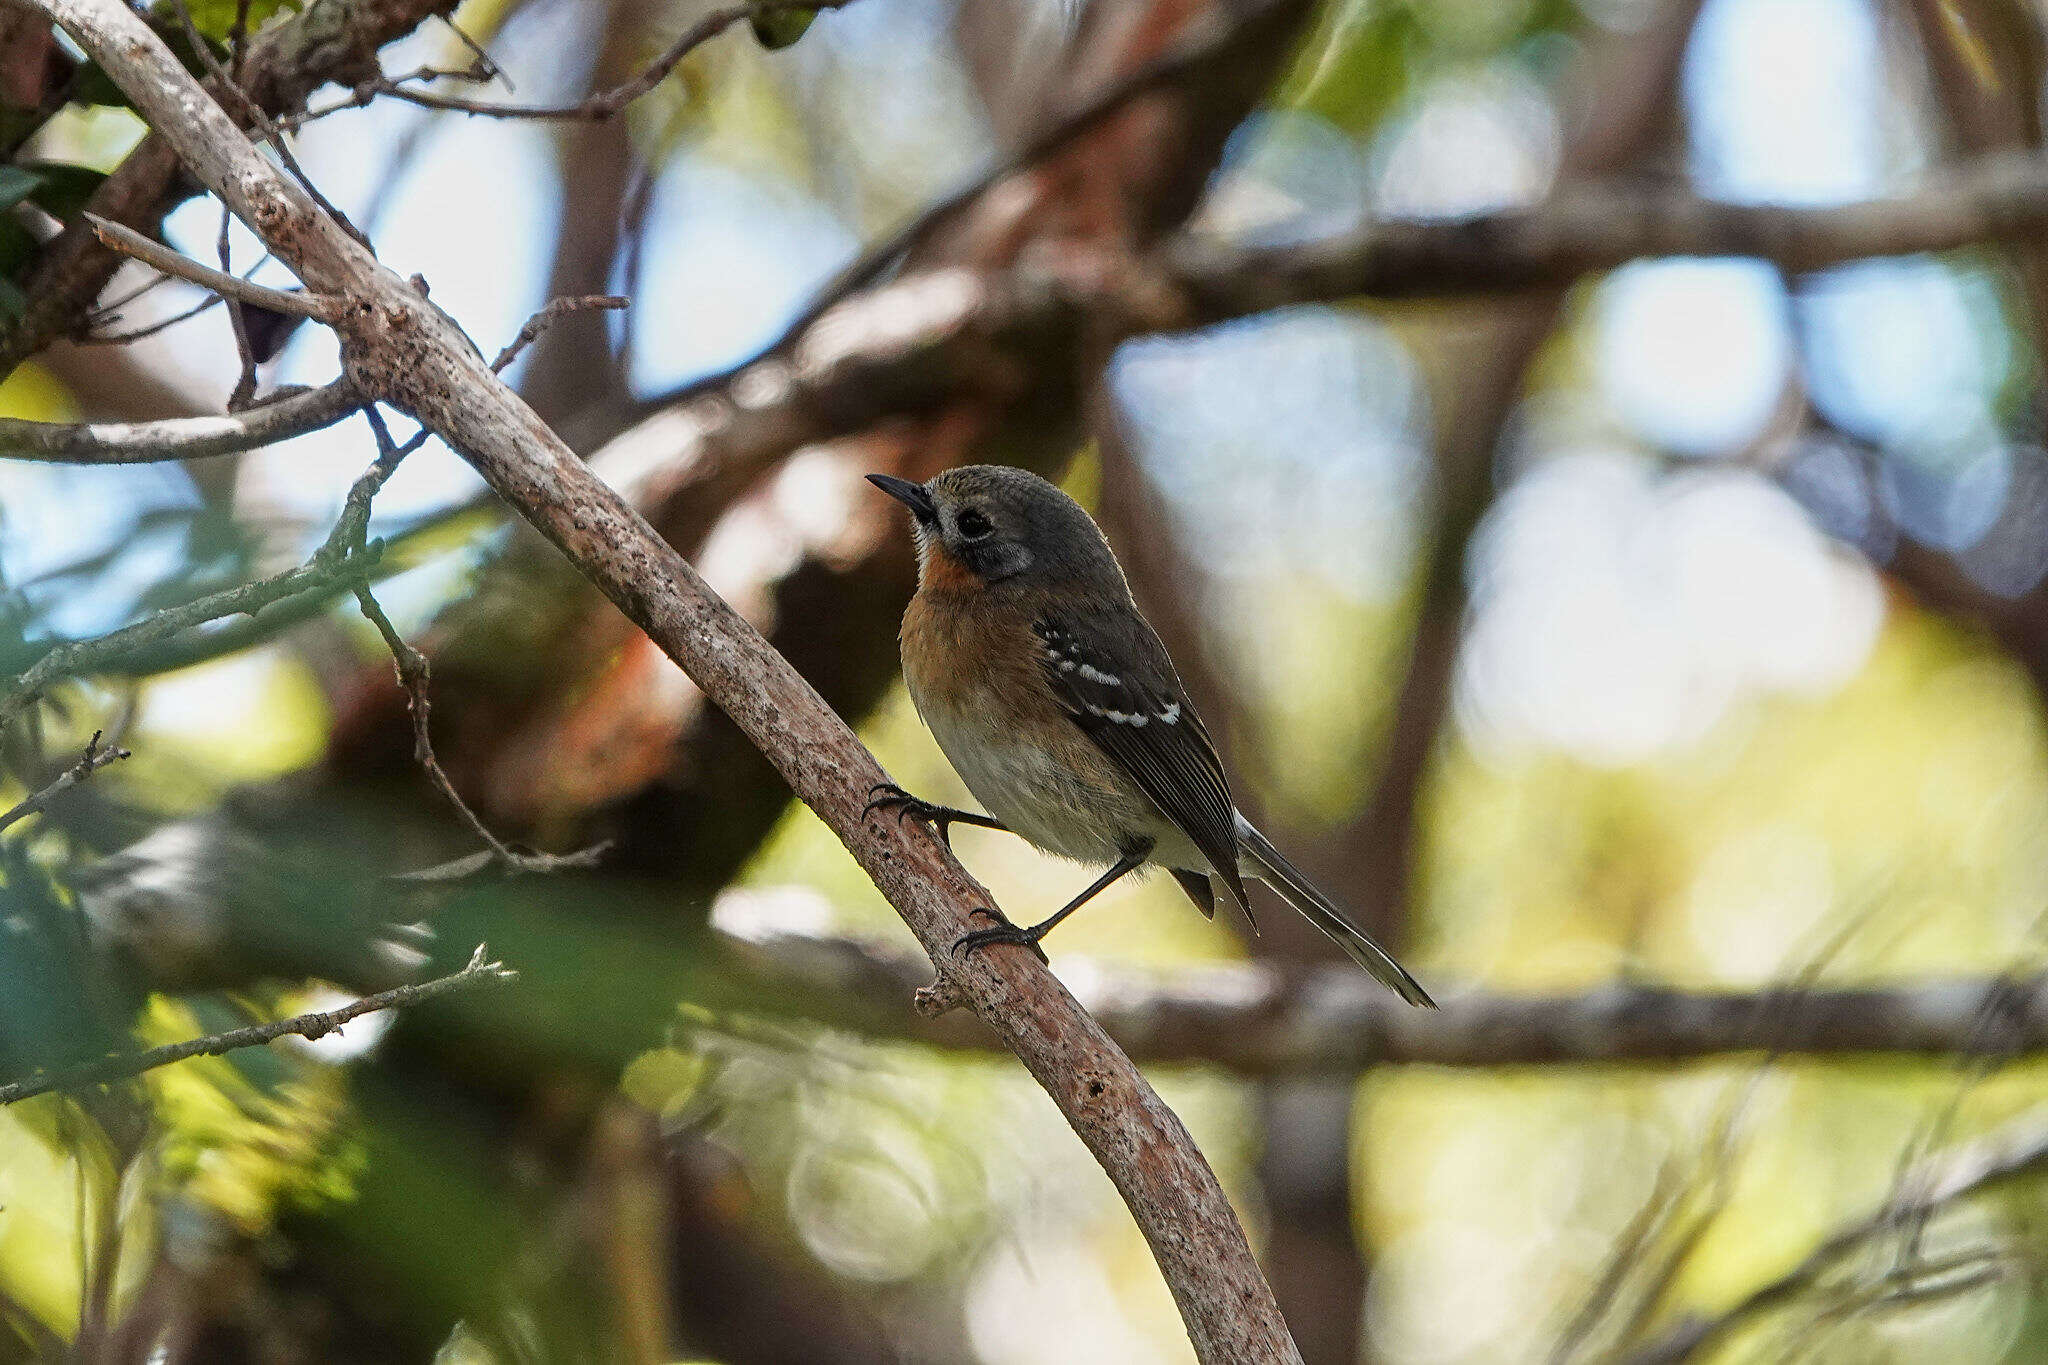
1114,679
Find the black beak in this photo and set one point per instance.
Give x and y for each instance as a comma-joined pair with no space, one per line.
911,495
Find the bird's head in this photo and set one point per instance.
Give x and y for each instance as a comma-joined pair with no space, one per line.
987,524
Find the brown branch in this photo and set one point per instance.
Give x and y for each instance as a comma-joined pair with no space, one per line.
1258,1020
95,759
311,1025
2014,1152
1587,228
178,438
402,349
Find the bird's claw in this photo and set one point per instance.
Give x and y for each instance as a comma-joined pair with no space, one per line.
910,807
1003,932
906,805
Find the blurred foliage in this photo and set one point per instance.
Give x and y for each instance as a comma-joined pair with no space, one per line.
439,1183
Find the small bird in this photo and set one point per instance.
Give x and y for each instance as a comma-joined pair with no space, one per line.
1058,706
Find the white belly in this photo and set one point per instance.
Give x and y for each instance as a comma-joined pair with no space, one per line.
1044,801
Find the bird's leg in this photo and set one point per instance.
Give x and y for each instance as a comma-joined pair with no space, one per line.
887,795
1006,932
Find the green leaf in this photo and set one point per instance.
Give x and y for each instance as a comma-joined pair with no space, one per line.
783,27
16,184
65,188
215,18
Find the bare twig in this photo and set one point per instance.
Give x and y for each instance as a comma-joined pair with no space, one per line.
606,103
546,318
286,63
2014,1152
311,1025
178,438
147,329
95,759
245,383
324,570
1216,37
415,676
129,242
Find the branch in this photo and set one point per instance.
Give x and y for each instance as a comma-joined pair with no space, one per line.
414,675
2014,1152
1259,1020
314,1024
129,242
95,759
597,108
400,348
333,40
92,655
343,559
1594,227
178,438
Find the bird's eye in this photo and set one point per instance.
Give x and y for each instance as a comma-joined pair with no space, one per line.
973,525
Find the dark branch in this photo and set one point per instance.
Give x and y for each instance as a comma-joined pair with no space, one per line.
1260,1020
95,759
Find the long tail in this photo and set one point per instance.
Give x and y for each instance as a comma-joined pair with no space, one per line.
1267,864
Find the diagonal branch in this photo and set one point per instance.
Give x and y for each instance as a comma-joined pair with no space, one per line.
400,348
95,759
332,40
313,1024
129,242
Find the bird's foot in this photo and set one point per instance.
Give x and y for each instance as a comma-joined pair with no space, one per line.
889,796
1004,932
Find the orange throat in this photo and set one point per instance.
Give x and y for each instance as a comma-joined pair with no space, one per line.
939,571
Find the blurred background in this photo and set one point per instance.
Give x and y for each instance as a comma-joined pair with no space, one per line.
1684,626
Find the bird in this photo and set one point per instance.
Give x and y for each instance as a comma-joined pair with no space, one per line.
1059,707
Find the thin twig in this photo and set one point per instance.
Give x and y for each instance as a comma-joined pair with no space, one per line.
547,317
345,557
129,242
245,384
1209,40
606,103
2017,1150
147,329
415,675
95,759
311,1025
485,62
229,83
